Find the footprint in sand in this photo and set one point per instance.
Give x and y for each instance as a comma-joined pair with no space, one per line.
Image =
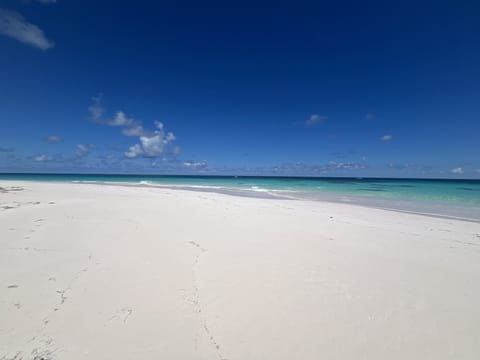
122,314
197,245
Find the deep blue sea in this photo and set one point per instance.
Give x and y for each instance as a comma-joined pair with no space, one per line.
453,198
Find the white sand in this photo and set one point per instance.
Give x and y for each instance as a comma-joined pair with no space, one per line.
112,272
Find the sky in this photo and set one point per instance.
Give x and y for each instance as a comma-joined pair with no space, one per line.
297,88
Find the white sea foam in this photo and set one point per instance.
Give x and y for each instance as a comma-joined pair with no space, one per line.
259,189
146,182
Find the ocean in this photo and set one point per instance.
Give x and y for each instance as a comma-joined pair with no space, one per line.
440,197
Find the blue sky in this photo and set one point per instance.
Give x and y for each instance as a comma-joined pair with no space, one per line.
347,88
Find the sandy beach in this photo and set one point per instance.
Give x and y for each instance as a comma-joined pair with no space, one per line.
113,272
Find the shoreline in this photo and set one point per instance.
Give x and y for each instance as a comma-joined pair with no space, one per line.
401,206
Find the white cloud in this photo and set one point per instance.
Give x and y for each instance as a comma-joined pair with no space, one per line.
131,126
135,129
14,25
96,109
41,158
333,165
134,151
83,150
152,143
53,139
120,119
314,120
457,171
386,137
152,146
195,165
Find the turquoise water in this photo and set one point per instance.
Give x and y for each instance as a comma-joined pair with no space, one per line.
440,196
